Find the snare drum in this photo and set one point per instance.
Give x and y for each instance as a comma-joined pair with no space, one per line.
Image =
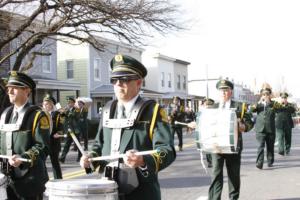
75,189
217,130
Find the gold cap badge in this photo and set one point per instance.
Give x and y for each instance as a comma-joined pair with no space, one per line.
13,73
119,58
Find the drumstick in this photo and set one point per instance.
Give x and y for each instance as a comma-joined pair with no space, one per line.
79,147
113,157
21,159
76,141
62,136
181,123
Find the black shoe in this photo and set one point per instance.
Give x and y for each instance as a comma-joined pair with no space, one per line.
270,164
74,149
281,153
209,165
62,160
259,166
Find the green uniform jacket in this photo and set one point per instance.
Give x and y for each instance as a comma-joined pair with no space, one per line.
57,127
82,119
30,142
265,120
246,117
140,137
284,116
71,120
177,114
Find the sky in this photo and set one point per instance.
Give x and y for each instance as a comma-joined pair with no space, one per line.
246,40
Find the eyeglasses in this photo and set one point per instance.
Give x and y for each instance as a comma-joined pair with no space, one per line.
122,80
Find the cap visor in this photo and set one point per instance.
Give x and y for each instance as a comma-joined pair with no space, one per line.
16,84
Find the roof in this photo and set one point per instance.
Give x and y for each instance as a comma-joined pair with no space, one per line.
56,84
103,90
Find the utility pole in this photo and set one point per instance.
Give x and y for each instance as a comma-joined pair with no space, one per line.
207,81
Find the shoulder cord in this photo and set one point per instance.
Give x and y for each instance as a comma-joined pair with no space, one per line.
155,111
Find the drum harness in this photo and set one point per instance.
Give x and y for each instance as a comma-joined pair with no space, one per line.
126,177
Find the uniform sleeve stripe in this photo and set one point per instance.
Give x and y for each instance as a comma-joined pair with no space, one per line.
35,121
153,120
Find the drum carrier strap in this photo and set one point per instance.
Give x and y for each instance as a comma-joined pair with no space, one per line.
136,113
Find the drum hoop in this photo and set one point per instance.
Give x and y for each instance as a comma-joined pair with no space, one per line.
82,186
3,180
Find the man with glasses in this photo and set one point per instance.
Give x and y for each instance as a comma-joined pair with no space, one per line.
265,127
284,124
130,125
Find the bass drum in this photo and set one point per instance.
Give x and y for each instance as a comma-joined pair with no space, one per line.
217,131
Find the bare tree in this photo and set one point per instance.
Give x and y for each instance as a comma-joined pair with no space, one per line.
127,20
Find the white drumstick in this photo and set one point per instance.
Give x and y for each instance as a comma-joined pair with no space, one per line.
181,123
78,145
76,141
63,136
21,159
114,157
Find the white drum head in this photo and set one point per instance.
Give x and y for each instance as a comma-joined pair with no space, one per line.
84,186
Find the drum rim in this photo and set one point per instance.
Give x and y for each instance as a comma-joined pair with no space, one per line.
96,186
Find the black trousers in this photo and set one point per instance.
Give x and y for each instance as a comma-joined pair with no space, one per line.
55,163
233,165
178,131
263,139
284,138
11,195
66,149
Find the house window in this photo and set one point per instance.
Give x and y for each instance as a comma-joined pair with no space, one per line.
162,79
169,80
46,64
70,69
184,83
178,82
97,64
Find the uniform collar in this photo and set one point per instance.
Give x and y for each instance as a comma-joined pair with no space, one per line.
129,105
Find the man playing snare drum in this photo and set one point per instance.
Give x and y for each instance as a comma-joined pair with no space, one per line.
149,131
233,161
24,137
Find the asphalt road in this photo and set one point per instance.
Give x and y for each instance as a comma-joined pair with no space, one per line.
187,179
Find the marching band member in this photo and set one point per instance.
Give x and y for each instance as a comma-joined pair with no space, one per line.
232,160
70,123
27,144
150,131
284,124
177,114
208,103
55,136
265,126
